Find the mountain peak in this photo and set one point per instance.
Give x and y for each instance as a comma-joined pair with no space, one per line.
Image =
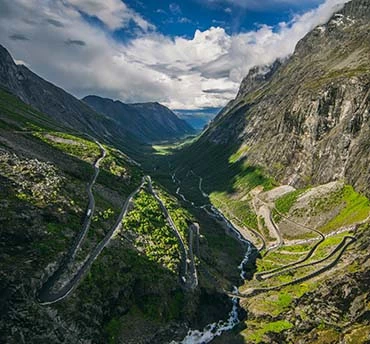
257,76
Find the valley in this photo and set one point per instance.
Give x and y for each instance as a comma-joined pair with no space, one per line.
286,265
120,225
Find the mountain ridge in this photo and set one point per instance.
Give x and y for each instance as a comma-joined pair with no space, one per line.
75,114
312,131
216,215
150,121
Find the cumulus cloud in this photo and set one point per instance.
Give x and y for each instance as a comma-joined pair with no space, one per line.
201,72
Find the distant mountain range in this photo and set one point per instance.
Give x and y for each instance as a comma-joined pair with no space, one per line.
149,122
125,125
198,119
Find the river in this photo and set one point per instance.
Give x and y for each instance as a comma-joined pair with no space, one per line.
211,331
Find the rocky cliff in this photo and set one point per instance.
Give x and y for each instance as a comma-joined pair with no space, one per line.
306,120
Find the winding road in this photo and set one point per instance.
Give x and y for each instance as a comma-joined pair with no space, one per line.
189,278
215,329
288,268
46,295
343,246
219,216
188,272
91,204
193,236
244,227
71,254
260,275
265,212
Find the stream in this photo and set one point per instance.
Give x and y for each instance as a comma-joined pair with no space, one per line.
211,331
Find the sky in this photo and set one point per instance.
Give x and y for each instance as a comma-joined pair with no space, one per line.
189,55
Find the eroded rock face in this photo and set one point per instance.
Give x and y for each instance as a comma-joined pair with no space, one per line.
306,120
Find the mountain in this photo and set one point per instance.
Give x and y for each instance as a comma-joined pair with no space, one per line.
153,121
198,119
256,231
63,193
61,106
304,120
148,122
288,164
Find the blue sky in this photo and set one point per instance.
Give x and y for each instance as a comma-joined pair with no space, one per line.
189,55
182,18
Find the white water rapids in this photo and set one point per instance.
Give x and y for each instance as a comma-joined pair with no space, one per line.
215,329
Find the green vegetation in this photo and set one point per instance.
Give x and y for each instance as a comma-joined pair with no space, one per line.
154,237
235,208
272,303
283,301
256,331
179,215
328,245
113,329
284,203
37,182
238,154
336,74
359,335
164,149
220,175
356,209
296,248
168,148
251,177
114,163
137,284
70,144
16,115
328,336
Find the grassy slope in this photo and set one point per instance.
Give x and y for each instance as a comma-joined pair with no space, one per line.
293,303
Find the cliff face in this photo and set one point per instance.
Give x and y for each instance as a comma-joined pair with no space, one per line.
306,120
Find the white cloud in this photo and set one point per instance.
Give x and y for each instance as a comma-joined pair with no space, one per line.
204,71
113,13
175,8
184,20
